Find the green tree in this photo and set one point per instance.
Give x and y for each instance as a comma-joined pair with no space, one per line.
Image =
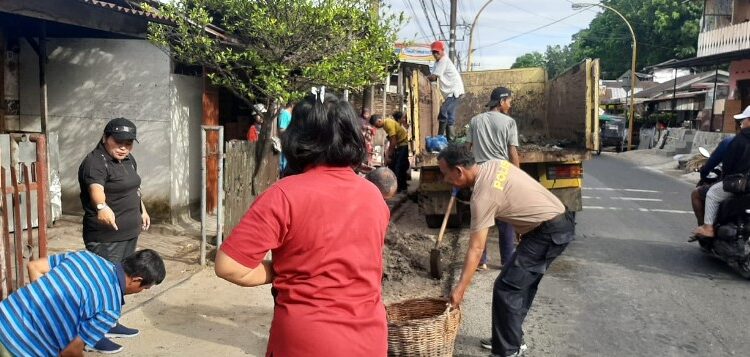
275,50
558,59
664,29
532,59
555,60
279,48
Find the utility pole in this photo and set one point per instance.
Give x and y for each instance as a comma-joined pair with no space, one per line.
452,45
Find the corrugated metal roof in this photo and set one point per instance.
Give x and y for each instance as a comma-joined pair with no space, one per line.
129,9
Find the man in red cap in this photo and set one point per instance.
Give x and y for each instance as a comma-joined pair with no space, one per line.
452,87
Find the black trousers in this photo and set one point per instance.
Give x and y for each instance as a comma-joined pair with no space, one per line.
516,286
400,166
115,252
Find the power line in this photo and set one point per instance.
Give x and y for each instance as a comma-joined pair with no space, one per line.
416,19
533,13
437,18
427,16
532,30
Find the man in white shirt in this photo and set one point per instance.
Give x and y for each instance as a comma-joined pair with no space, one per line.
451,86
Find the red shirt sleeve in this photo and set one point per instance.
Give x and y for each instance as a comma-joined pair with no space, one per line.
261,229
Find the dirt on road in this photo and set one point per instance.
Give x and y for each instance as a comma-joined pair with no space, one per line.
406,257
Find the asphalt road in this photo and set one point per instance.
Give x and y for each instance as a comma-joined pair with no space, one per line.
630,284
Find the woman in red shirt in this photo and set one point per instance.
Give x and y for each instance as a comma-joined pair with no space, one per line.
325,227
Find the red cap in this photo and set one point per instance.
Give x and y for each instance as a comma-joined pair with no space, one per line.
438,46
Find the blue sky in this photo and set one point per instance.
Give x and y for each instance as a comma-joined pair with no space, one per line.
500,21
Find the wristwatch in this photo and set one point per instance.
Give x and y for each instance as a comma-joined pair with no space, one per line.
100,206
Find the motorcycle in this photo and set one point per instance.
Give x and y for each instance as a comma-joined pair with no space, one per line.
732,227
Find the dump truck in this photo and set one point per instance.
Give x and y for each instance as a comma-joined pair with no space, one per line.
557,120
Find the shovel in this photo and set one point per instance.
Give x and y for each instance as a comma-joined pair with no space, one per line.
435,270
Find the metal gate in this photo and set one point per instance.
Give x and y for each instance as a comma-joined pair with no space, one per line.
23,181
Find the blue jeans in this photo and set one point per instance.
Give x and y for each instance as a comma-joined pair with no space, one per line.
507,239
448,111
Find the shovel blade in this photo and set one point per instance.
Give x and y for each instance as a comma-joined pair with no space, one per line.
435,269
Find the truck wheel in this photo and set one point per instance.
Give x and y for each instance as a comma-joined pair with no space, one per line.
433,220
618,148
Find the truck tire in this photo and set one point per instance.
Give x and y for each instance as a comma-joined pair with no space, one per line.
618,148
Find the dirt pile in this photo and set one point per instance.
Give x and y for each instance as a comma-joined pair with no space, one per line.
406,266
406,254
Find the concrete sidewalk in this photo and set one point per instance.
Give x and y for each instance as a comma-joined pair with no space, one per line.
201,316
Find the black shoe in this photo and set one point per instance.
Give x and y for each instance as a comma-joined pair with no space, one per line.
121,331
105,346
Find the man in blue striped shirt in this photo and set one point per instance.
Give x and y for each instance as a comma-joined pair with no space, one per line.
73,301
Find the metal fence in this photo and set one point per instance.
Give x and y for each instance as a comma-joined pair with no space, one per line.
23,181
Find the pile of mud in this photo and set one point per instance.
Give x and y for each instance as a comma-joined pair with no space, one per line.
406,255
406,266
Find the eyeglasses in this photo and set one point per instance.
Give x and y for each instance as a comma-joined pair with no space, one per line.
435,52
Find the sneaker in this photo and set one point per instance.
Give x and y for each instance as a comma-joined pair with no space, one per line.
121,331
515,354
487,344
482,267
105,346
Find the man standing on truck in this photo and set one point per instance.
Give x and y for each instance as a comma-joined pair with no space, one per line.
451,86
493,135
505,192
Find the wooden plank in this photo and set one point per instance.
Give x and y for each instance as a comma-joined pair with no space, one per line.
239,163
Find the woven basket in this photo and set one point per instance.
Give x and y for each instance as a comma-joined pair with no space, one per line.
422,327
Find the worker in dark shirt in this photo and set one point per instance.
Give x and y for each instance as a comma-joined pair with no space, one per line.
736,161
114,213
698,196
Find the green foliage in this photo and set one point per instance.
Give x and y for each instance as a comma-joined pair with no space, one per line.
532,59
664,29
555,59
279,48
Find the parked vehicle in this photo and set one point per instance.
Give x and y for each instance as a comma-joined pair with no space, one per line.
612,132
732,227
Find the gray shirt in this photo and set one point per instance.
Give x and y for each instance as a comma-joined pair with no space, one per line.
490,134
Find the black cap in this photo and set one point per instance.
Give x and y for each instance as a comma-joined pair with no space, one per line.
498,94
121,129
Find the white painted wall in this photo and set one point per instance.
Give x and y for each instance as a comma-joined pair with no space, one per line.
186,108
91,81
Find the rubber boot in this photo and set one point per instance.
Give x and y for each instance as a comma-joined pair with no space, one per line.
441,128
450,132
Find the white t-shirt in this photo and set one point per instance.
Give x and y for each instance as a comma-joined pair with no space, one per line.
450,80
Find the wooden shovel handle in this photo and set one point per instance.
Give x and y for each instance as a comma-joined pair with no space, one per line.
445,220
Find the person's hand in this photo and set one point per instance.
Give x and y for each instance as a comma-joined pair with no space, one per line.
457,296
107,217
145,221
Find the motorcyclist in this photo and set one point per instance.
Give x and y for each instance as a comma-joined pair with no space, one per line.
736,161
698,196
